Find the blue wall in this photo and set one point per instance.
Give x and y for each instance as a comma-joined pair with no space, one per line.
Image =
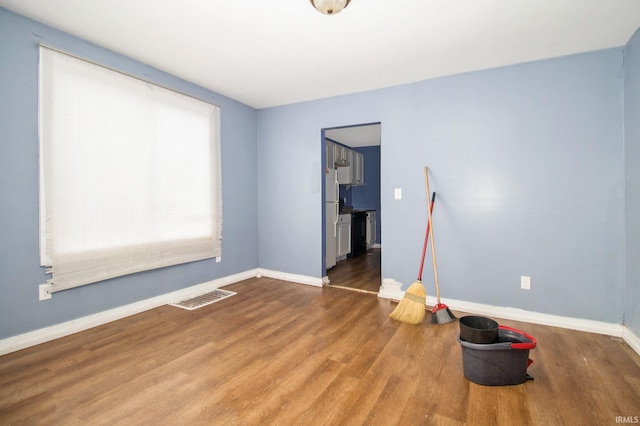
632,187
20,273
528,164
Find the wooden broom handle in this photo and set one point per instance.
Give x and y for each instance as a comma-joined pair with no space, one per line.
433,246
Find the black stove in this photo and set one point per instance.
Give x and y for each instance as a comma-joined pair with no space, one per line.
358,233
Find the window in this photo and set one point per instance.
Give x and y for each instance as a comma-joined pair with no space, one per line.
129,171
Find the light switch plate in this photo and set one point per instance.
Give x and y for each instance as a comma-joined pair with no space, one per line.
398,193
44,292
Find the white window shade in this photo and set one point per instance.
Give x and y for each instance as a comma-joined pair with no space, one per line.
130,173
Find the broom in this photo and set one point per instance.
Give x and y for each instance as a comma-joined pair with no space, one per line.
412,306
440,314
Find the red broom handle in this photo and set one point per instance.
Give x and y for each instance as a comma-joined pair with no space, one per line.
426,237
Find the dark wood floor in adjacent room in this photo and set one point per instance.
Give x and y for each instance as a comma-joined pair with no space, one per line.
279,353
360,273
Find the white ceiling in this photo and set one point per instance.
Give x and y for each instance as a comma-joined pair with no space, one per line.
356,136
268,53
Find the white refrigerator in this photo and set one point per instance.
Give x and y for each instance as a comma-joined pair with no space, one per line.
331,215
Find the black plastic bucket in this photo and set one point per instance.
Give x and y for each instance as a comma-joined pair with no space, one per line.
476,329
502,363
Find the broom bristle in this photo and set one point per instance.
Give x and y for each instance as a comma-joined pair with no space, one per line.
411,308
441,314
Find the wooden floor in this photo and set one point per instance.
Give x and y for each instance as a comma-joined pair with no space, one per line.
362,272
279,353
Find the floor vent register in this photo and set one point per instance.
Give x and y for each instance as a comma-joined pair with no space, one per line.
203,300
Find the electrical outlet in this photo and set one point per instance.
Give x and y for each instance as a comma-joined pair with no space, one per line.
525,283
218,259
44,292
398,193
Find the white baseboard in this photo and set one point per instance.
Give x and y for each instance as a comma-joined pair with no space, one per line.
300,279
390,289
600,327
32,338
631,339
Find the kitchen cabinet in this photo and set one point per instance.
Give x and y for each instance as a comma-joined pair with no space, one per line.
344,235
342,155
354,173
330,155
344,175
357,164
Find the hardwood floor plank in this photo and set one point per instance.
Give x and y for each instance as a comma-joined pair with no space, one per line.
399,358
295,395
283,353
450,389
389,405
327,408
368,353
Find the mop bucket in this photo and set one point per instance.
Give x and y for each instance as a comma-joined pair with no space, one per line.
501,363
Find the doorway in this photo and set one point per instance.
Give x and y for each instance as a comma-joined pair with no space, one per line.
353,256
361,273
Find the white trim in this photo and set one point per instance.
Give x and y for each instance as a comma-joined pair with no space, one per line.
36,337
631,339
284,276
389,290
504,312
385,294
32,338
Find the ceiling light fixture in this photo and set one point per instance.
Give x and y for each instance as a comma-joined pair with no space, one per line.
330,7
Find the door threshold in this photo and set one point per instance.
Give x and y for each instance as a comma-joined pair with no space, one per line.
359,290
